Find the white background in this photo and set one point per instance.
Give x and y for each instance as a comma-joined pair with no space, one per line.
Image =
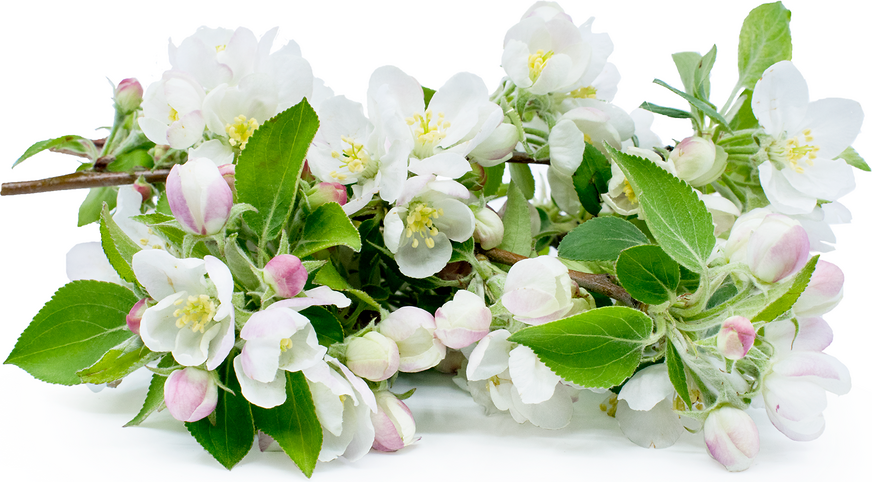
56,59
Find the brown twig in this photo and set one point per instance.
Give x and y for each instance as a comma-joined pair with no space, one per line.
524,158
598,283
79,180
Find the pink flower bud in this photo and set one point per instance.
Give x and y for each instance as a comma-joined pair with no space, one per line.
190,394
134,318
736,337
393,423
286,275
128,95
489,228
372,356
199,196
411,328
462,321
823,292
144,189
698,161
777,249
731,438
228,172
327,192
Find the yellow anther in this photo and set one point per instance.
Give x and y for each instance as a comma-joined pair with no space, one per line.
628,191
241,129
286,344
173,116
219,48
537,61
428,132
796,154
419,223
584,93
196,314
354,158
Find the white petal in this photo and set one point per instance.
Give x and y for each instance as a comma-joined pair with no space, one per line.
535,381
647,388
656,428
266,395
490,357
780,99
162,274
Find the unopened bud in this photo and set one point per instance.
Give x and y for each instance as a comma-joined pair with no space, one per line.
228,172
286,275
731,438
393,423
144,189
736,337
698,161
497,147
373,356
128,95
199,196
824,291
327,192
190,394
134,318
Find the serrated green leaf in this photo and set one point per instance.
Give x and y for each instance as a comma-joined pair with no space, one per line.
494,178
129,161
269,167
92,206
591,179
71,144
169,229
294,424
597,349
677,218
853,158
327,327
523,179
83,320
154,399
786,300
117,246
763,41
648,274
703,106
667,111
516,223
326,227
232,435
600,239
243,270
462,251
677,374
702,75
122,360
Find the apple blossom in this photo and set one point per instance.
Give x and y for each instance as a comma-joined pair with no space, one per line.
393,423
172,111
462,321
644,411
620,197
134,317
199,197
736,337
731,438
773,246
698,160
194,316
128,95
412,329
489,228
327,192
538,290
286,275
823,293
190,394
799,166
372,356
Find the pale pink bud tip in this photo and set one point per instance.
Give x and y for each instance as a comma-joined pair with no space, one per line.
731,438
393,423
736,337
823,292
462,321
134,318
286,275
199,197
373,356
327,192
228,172
190,394
778,248
128,95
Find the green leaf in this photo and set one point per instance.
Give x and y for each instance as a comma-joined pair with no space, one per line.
494,178
154,400
516,223
327,327
703,106
677,374
786,300
294,424
67,144
243,270
687,64
702,75
523,179
122,360
231,436
648,274
763,41
170,230
591,179
743,118
597,349
464,251
130,161
600,239
428,94
853,158
83,320
117,246
677,218
92,206
328,226
269,167
329,277
667,111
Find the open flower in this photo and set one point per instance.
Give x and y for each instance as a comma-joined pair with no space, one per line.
462,321
171,111
644,410
538,290
805,137
412,329
194,317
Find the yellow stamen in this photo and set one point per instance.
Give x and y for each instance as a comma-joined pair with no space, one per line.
537,61
427,131
197,312
286,344
584,93
419,224
241,129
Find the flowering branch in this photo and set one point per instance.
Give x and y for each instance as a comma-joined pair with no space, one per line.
598,283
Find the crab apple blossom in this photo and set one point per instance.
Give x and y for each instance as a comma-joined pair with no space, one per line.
823,293
462,321
199,197
286,275
538,290
736,337
698,160
128,95
372,356
799,167
172,111
190,394
412,329
393,423
194,316
773,245
731,438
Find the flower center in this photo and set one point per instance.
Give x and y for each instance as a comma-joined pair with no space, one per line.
286,344
427,131
174,115
537,61
795,152
196,314
354,158
584,93
419,223
220,48
240,130
628,191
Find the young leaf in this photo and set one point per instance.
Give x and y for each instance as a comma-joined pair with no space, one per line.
677,218
269,167
232,435
68,144
591,179
120,361
597,349
687,64
523,179
648,274
853,158
329,277
83,320
600,239
154,400
743,117
763,41
117,246
92,206
294,424
516,223
786,300
494,178
667,111
703,106
326,227
677,374
242,268
702,75
131,160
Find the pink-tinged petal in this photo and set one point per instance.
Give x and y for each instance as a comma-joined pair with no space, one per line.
780,99
834,125
777,248
265,395
824,291
490,357
190,394
359,385
793,398
134,317
462,321
372,356
286,275
260,358
731,438
736,337
305,350
320,296
819,368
